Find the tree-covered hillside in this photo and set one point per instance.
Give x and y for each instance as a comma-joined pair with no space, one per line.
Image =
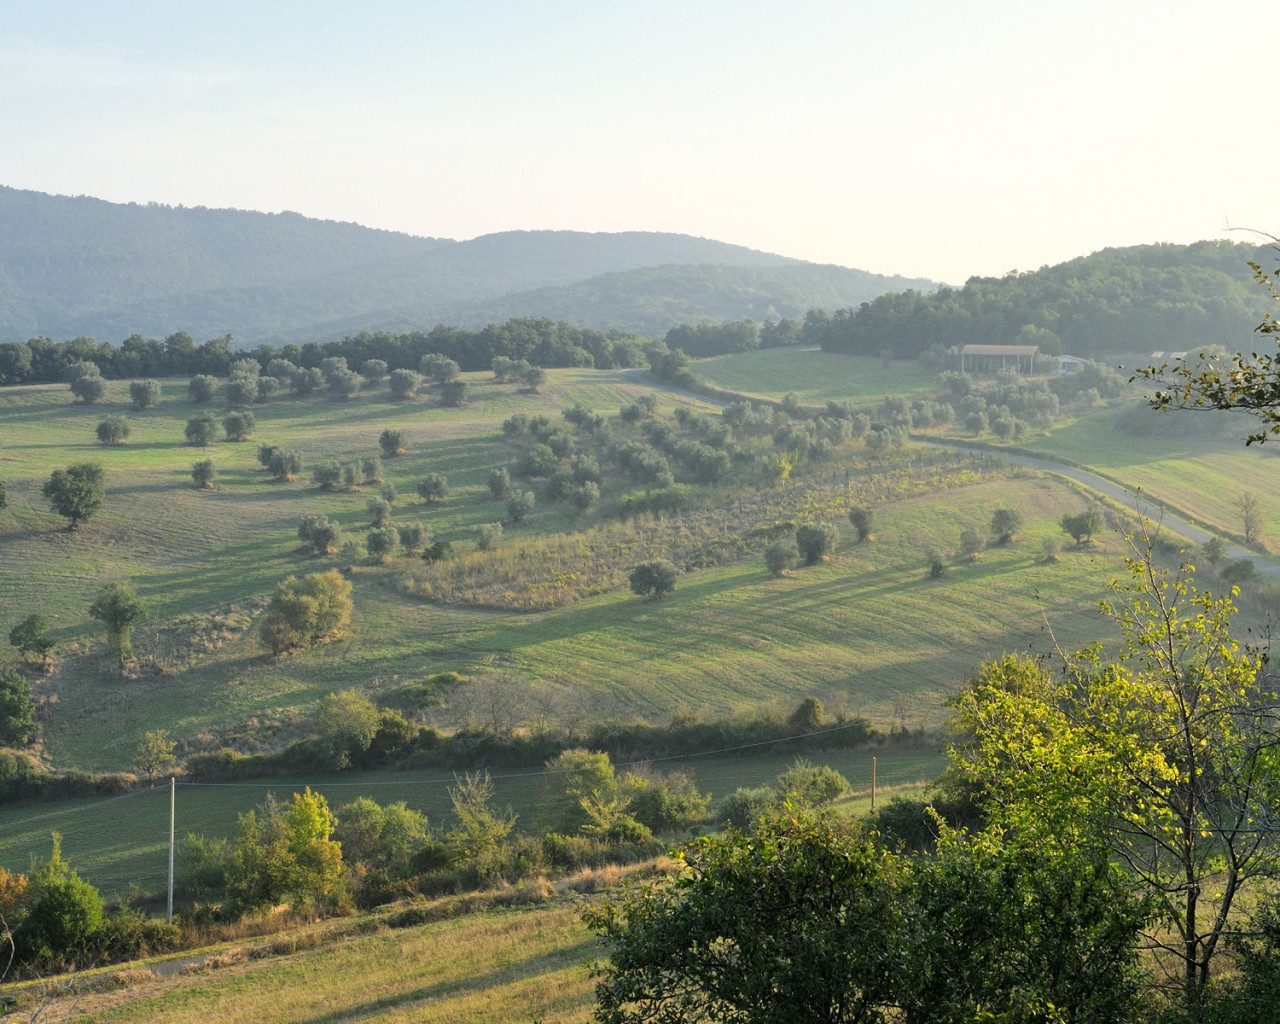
1138,299
76,266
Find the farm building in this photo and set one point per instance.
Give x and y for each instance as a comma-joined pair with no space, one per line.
992,358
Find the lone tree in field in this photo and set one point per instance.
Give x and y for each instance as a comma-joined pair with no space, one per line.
862,519
306,610
145,394
113,431
499,483
76,492
118,608
203,472
155,754
201,388
519,505
654,580
815,541
1081,526
1005,524
392,443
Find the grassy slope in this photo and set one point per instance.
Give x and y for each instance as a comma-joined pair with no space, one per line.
816,377
503,966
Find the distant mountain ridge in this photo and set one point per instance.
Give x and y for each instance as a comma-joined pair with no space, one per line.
74,266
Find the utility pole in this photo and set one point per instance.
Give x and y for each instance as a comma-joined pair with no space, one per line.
173,785
873,796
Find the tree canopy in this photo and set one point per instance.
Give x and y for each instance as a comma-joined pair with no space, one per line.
76,492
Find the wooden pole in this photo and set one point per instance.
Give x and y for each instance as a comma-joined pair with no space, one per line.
873,785
173,785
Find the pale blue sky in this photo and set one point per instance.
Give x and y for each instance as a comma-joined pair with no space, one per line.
925,138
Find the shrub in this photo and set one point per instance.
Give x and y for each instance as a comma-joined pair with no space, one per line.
780,556
327,476
203,472
285,464
1005,524
201,388
488,535
305,610
88,389
862,519
499,482
238,426
815,541
201,431
145,394
654,579
453,392
413,537
809,785
379,512
519,505
113,431
382,543
432,488
320,533
404,384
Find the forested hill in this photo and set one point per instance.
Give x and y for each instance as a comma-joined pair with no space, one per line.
1138,299
74,266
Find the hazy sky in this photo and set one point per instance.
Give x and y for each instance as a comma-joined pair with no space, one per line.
923,138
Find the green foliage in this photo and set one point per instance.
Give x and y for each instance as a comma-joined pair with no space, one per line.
112,431
305,610
815,541
1164,755
4,496
519,505
203,473
499,482
1214,550
76,492
386,837
806,785
488,535
327,476
31,636
284,464
1081,526
239,425
770,925
862,519
432,488
118,608
780,556
201,430
382,542
653,579
404,384
1237,572
88,389
479,830
663,803
154,754
1005,524
577,779
970,543
413,538
379,512
287,854
936,562
202,387
64,916
392,443
320,533
17,710
346,723
145,394
453,392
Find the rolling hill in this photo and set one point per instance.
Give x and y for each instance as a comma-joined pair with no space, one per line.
76,266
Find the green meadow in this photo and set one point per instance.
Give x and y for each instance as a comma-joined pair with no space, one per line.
814,376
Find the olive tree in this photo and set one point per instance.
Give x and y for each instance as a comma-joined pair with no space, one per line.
203,473
305,610
202,430
113,431
654,579
815,541
145,394
76,492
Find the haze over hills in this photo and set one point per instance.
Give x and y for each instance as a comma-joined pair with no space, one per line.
81,266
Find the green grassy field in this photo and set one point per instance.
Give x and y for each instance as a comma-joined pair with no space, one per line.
814,376
1196,462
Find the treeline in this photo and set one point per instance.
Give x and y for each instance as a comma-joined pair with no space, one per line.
544,343
1139,299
